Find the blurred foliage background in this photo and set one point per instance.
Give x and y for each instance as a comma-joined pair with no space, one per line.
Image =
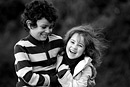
112,15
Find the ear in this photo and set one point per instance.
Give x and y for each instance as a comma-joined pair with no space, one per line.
28,22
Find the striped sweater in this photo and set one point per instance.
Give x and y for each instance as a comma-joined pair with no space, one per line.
35,60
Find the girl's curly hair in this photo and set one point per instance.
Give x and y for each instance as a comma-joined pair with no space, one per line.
36,10
94,41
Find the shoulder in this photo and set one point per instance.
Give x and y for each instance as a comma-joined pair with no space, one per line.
24,43
54,37
89,67
59,60
94,71
91,80
87,70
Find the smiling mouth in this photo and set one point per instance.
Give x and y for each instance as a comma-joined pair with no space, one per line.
44,35
72,51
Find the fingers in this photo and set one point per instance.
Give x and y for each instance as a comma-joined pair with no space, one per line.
62,73
68,75
63,66
67,78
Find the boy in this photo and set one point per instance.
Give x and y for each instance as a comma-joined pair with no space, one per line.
35,55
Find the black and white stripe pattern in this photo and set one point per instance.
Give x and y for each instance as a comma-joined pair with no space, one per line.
35,60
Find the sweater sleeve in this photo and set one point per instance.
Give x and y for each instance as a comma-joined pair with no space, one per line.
24,69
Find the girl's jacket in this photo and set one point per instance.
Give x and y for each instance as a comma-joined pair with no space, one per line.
84,74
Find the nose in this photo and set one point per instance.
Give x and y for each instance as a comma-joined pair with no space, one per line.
74,46
47,30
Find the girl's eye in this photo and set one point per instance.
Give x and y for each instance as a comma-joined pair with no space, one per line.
80,45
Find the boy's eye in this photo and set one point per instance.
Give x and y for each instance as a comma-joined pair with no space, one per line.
72,42
50,26
44,27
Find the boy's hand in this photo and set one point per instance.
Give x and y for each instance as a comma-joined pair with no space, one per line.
62,67
66,79
62,70
61,73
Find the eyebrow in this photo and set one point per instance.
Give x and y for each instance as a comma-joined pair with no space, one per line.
82,44
46,25
78,42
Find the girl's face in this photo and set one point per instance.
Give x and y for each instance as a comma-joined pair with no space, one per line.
75,46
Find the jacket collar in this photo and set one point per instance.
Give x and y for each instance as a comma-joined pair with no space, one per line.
81,65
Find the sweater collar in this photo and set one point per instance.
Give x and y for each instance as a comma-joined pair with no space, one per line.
71,62
36,42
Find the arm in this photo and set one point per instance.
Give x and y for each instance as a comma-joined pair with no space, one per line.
24,69
64,75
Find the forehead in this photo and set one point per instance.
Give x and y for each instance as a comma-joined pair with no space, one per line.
78,37
43,21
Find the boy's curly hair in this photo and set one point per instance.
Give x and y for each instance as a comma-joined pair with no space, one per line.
36,10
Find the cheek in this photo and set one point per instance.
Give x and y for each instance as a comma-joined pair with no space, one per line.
67,47
34,32
50,30
81,51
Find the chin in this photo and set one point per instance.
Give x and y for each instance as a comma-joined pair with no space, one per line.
43,39
70,57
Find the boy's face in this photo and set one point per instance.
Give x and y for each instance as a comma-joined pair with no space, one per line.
42,30
75,46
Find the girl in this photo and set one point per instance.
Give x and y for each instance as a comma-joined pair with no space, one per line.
80,56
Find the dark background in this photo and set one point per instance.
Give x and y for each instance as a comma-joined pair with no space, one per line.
112,15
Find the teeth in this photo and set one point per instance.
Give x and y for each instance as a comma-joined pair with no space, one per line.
43,35
72,51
